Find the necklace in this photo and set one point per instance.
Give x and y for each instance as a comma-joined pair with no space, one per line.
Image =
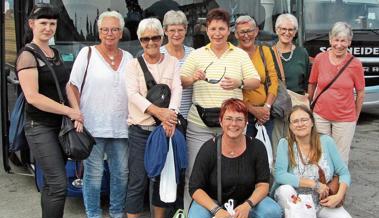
47,53
281,54
305,164
235,152
109,56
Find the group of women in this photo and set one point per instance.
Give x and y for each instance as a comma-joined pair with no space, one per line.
106,93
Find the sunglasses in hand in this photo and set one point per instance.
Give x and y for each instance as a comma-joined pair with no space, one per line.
213,81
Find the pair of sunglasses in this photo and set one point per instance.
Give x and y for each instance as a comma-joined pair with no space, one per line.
156,38
213,81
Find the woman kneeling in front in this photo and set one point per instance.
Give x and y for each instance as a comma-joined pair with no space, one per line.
244,168
299,160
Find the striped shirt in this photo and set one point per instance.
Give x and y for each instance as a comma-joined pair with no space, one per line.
187,92
235,62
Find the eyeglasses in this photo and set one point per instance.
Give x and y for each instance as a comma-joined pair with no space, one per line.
105,30
235,119
248,32
300,121
289,30
156,38
213,81
179,31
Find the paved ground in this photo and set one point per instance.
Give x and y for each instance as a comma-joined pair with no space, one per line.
19,198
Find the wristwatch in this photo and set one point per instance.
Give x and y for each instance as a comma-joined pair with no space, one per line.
242,85
268,105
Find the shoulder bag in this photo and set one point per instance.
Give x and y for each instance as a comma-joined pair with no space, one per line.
16,136
75,145
157,94
333,184
282,104
331,82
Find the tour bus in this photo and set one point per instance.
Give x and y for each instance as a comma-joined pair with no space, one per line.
77,28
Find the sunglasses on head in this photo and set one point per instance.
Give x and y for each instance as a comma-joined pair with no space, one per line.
213,81
43,10
146,39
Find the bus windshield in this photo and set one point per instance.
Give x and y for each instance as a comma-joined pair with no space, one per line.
320,15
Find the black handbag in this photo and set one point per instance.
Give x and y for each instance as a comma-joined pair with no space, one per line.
210,116
157,94
75,145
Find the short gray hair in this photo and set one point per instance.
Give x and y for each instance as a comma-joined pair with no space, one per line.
174,18
151,24
245,19
286,17
113,14
341,29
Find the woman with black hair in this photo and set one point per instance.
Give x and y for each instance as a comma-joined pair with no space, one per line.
43,112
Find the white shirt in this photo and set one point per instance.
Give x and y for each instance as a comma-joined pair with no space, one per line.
103,101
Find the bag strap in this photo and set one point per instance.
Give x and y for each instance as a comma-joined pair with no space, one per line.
85,72
279,63
149,79
331,82
267,80
219,176
38,52
321,175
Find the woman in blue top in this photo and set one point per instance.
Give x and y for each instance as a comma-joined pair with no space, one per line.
298,159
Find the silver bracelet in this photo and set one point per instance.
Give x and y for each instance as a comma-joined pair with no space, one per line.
215,210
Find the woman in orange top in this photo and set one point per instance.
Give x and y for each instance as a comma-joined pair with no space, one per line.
259,100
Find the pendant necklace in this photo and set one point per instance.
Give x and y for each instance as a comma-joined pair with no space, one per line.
110,57
281,54
305,164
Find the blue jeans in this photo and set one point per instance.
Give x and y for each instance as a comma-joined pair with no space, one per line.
117,158
266,208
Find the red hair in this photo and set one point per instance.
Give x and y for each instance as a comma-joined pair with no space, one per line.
233,104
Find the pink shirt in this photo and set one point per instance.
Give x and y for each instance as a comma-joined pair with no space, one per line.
166,72
338,102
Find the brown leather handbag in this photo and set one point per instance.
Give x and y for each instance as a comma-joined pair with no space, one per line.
333,185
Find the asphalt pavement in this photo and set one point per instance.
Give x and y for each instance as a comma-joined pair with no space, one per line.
19,197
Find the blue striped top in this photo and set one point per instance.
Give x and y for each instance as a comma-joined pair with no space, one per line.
187,92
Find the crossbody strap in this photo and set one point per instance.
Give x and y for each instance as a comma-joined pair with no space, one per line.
331,82
279,63
149,79
219,176
267,80
38,52
85,72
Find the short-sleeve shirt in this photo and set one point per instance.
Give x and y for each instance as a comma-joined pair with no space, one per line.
338,102
104,100
46,85
187,92
236,64
239,174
